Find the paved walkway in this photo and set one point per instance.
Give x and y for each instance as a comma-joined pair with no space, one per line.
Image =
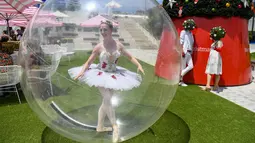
241,95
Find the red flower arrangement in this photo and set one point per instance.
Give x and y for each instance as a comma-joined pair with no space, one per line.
5,59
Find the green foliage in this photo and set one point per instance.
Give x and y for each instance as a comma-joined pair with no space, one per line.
155,22
74,5
209,8
217,33
59,5
189,24
252,56
250,35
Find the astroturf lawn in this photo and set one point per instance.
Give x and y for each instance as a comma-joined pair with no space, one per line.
252,56
195,115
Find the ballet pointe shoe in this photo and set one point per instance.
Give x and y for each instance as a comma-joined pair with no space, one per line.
104,129
115,134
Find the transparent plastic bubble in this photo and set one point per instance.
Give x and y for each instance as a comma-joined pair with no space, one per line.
112,93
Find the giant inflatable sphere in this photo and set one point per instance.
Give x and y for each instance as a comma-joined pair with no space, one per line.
101,70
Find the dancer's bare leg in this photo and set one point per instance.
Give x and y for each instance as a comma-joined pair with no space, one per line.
103,110
111,115
107,109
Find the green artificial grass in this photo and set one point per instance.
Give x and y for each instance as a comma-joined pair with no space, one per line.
252,56
209,118
19,123
195,115
212,119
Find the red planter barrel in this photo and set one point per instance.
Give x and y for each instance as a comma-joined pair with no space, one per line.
235,52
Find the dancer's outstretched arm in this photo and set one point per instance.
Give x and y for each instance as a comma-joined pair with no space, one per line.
131,58
91,59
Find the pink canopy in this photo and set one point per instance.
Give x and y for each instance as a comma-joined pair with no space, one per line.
16,6
14,23
96,21
32,10
12,9
39,22
23,19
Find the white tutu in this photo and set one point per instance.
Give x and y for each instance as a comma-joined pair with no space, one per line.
121,79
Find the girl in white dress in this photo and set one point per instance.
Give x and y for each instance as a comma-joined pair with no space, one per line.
214,63
107,76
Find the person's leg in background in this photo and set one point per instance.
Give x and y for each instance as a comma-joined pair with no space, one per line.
208,83
185,69
216,84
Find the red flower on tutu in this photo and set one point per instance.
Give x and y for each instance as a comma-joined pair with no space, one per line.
99,73
104,65
114,77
